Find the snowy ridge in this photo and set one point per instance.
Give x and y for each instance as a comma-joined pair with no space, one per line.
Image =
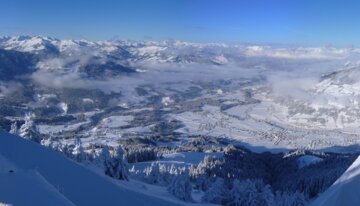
28,44
172,51
344,190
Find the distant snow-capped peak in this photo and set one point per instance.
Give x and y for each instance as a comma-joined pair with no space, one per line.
170,50
28,43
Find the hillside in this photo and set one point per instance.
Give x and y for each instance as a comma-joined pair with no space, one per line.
43,177
343,191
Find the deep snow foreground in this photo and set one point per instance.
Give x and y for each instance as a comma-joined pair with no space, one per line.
29,188
345,191
34,175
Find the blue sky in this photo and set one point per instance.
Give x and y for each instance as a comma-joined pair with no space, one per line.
307,22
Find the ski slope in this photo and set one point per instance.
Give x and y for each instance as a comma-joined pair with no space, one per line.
43,177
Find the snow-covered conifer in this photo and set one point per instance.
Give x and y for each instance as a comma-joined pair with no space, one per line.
78,150
250,193
153,175
290,199
119,165
14,128
216,193
29,131
181,187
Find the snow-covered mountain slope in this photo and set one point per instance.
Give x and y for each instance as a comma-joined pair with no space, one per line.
329,102
138,74
29,185
14,63
170,51
29,44
33,175
343,87
344,191
83,58
29,188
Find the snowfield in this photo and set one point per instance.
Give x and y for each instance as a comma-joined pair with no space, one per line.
44,177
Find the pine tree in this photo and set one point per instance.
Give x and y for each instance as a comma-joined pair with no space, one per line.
114,166
14,128
250,193
181,187
66,150
48,142
78,151
173,170
216,193
290,199
29,131
165,176
93,153
204,173
119,165
103,160
153,175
